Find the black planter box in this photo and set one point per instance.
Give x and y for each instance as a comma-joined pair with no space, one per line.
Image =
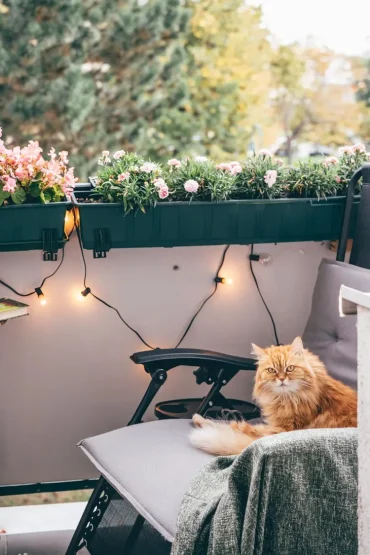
239,222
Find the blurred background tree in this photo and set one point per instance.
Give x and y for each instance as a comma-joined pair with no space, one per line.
168,78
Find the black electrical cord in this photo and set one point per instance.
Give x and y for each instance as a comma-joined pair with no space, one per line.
89,291
207,299
40,286
263,300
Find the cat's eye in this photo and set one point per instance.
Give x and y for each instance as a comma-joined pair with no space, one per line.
290,368
271,370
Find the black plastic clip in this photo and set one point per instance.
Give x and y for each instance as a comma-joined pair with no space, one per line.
102,242
50,244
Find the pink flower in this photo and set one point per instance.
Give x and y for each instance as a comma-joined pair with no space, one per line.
174,162
346,150
10,184
191,186
63,155
223,166
279,162
337,179
52,153
235,168
359,148
119,154
265,152
105,153
270,177
148,167
123,176
159,183
201,159
330,161
163,192
21,173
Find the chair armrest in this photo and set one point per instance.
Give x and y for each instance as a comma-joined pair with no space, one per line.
170,358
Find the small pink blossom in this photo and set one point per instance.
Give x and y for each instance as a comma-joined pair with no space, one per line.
174,163
330,161
337,179
119,154
52,153
105,153
359,148
10,184
159,183
201,159
21,173
265,152
235,168
63,155
346,150
223,166
163,192
148,167
279,161
270,177
124,175
191,186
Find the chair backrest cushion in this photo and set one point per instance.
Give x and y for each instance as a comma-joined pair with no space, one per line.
327,334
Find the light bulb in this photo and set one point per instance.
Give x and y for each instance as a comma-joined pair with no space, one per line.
224,281
229,281
41,296
265,258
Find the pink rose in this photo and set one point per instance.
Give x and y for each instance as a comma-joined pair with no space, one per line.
174,163
330,161
337,179
159,183
163,192
10,184
191,186
118,154
265,152
270,177
148,167
359,148
123,176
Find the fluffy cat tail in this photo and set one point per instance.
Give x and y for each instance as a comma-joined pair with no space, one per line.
219,438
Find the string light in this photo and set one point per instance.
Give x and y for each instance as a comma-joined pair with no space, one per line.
224,281
68,223
41,296
86,292
264,258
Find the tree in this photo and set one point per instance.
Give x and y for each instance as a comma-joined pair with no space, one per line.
84,76
229,75
312,97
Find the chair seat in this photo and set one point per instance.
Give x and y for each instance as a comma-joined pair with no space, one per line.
150,471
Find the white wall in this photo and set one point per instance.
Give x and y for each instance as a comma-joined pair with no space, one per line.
65,369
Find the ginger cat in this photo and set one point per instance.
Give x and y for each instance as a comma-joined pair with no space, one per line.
294,392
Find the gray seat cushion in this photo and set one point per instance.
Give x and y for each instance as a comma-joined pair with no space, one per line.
332,338
150,465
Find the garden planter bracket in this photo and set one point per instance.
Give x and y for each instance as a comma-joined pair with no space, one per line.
102,242
50,244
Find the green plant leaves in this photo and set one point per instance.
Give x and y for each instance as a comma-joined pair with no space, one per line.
3,196
18,196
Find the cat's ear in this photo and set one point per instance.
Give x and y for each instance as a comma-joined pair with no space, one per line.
258,352
297,346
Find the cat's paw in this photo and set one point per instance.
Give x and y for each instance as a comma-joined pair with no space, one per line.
198,421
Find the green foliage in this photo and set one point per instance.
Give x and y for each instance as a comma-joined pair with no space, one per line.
214,184
253,181
352,159
310,179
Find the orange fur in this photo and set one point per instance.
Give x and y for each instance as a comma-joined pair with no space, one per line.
294,392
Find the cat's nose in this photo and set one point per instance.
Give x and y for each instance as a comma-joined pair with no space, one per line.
281,378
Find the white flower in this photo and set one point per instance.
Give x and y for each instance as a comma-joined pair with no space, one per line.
159,183
201,159
191,186
105,153
174,162
270,177
148,167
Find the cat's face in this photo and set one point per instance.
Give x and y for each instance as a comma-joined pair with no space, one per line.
282,370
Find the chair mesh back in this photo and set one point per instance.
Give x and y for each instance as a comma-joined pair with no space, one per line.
114,529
